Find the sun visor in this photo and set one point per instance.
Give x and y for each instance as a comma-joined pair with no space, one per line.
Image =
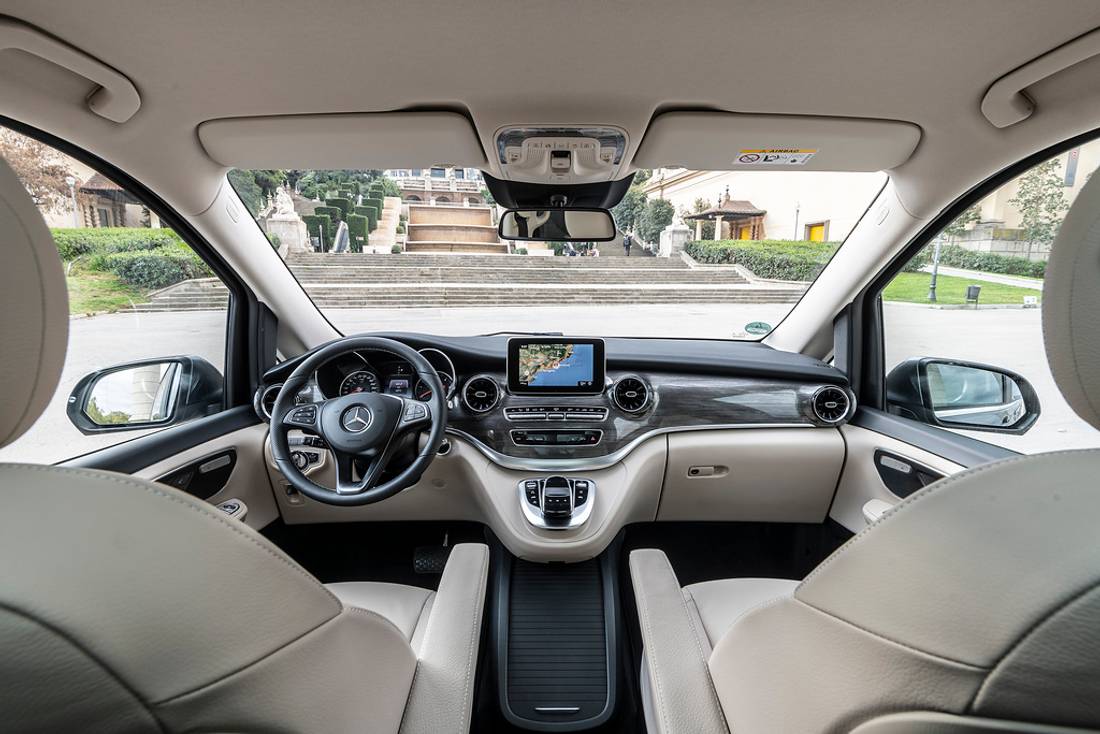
361,140
705,141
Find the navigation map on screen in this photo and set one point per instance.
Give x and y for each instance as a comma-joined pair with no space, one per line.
557,365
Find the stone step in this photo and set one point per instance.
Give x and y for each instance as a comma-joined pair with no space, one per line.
445,246
496,259
320,274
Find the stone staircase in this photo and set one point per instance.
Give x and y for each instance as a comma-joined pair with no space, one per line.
444,281
384,236
463,229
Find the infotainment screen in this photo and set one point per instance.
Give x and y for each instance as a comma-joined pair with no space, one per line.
555,366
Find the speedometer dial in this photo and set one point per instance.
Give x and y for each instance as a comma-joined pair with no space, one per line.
424,390
359,381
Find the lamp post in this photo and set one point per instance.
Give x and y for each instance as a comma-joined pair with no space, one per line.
72,197
935,271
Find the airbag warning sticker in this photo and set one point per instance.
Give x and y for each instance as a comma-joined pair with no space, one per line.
775,157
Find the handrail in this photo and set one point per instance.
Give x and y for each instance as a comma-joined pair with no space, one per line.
1006,103
115,96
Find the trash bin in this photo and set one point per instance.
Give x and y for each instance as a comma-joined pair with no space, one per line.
972,293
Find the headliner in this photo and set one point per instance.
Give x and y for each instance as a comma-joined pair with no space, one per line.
565,62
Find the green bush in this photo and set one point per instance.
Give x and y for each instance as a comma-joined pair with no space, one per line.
774,259
72,243
521,251
395,250
357,232
376,191
344,205
332,212
376,202
320,226
150,269
988,262
371,212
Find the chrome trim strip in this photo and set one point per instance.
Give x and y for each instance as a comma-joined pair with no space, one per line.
592,463
454,373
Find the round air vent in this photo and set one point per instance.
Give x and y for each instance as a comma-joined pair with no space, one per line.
266,401
480,394
630,394
831,404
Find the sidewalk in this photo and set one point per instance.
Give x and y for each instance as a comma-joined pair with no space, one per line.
989,277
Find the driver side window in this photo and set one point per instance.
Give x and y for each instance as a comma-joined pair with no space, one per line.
962,321
139,300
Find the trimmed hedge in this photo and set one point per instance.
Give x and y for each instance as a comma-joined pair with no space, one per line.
332,212
73,243
773,259
357,232
315,223
344,205
371,213
375,202
989,262
151,269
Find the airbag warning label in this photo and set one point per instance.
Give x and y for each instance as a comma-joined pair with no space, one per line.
775,157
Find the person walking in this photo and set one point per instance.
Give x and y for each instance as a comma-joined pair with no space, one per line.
627,242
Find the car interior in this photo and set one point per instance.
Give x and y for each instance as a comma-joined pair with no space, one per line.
428,523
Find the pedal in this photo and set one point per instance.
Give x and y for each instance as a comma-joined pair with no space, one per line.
430,558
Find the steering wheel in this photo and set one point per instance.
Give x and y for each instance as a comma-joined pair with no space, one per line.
361,426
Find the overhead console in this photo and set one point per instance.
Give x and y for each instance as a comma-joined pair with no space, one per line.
560,155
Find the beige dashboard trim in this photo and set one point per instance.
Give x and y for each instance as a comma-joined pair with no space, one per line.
603,462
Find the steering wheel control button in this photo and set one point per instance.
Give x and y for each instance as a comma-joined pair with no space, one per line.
306,415
557,502
356,419
300,459
416,412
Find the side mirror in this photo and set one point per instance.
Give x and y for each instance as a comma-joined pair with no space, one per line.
146,394
964,395
557,225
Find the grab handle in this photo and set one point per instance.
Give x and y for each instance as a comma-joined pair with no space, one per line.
115,97
1006,103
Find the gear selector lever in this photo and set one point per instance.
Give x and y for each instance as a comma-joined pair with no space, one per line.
556,502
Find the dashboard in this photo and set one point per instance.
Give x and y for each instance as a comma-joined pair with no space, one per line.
557,443
621,391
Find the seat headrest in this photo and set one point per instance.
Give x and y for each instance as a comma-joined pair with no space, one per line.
1071,305
34,310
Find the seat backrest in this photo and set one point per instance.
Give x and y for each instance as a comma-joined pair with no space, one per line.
129,606
979,595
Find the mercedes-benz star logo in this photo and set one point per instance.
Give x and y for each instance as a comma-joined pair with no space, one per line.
356,419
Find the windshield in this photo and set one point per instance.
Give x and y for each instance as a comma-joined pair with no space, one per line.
699,254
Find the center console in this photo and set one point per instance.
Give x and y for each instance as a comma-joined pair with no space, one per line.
557,502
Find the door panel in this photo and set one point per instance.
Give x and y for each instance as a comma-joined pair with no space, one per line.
861,481
248,482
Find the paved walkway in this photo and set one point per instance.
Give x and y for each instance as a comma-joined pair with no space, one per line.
1015,280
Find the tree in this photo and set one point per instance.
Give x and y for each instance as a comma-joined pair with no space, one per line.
40,168
244,183
655,217
627,211
960,224
1041,200
700,205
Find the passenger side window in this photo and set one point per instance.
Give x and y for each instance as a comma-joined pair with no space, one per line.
140,300
962,321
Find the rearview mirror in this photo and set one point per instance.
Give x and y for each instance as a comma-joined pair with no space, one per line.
558,225
963,395
146,394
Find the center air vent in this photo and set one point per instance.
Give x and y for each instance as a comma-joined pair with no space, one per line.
480,394
630,394
831,404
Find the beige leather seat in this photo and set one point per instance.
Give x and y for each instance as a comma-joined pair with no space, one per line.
974,602
127,606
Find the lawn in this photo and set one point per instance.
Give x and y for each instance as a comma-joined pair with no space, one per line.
91,292
913,288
